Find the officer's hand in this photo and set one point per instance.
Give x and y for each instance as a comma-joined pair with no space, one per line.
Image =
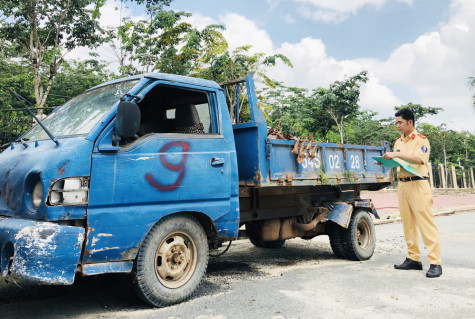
389,155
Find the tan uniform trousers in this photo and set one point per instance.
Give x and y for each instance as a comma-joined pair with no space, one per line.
415,206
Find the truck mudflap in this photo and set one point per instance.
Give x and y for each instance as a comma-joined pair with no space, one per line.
43,252
340,212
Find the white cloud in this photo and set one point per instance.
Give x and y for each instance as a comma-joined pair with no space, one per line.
289,19
242,31
336,11
273,3
435,67
200,21
432,70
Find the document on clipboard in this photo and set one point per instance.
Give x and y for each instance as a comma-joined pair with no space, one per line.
395,162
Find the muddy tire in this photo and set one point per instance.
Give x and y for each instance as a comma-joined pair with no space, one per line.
251,231
171,261
359,239
335,234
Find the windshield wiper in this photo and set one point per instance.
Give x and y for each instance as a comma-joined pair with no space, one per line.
22,100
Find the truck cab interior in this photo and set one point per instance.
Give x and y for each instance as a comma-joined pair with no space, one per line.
167,109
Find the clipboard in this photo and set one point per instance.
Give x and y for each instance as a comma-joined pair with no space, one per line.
395,162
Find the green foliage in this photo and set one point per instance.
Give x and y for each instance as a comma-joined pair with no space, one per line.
229,66
419,110
341,99
164,44
316,112
43,31
471,84
76,77
365,129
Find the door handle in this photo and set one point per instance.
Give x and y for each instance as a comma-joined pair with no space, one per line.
215,161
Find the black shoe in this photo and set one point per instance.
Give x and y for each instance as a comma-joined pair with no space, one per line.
409,264
434,271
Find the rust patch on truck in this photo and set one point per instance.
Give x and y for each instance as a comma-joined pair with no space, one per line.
62,169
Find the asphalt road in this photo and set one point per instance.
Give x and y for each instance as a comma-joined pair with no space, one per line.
303,279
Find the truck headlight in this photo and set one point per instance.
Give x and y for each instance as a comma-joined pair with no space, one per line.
69,191
37,195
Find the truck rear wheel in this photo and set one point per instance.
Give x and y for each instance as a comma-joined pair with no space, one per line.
172,261
359,239
335,233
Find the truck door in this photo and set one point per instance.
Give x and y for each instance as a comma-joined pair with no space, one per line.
179,161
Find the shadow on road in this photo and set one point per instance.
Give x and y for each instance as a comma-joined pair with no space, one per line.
115,292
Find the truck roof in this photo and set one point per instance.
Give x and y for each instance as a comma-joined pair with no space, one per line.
167,77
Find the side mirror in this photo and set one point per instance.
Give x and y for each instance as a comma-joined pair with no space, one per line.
127,120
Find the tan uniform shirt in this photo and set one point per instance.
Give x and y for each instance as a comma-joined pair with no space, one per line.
415,144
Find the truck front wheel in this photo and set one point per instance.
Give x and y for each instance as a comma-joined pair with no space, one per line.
359,239
172,261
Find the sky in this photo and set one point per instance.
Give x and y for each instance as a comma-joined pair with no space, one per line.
418,51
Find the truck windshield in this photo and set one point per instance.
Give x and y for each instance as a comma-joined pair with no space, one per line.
80,114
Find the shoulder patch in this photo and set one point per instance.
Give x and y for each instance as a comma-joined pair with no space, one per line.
420,135
424,149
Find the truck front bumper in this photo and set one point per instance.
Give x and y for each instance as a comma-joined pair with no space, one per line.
44,252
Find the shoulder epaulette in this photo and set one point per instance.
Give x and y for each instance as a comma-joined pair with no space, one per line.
420,135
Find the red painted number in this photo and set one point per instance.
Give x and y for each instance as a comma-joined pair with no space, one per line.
180,167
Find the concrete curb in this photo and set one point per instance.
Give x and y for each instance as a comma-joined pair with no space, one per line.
395,218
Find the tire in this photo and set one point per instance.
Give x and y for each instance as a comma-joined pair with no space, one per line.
335,233
359,239
251,230
171,261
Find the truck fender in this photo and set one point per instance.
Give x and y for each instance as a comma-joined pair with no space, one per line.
44,252
340,212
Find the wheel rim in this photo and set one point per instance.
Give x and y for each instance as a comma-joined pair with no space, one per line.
363,234
175,260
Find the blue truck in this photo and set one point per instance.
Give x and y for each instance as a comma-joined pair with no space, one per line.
147,174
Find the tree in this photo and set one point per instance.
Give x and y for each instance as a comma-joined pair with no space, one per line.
162,43
45,31
471,83
341,99
75,77
367,130
419,110
235,65
299,111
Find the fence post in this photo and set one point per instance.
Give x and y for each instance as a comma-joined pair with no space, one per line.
464,180
471,178
431,175
443,181
454,178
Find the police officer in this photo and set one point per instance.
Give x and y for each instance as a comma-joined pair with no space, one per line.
414,195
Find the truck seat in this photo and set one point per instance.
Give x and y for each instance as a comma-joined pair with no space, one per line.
187,120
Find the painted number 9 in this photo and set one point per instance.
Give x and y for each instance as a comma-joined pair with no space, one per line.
180,167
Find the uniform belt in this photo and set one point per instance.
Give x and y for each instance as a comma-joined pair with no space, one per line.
413,178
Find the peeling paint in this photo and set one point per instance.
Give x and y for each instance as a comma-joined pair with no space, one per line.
62,169
42,252
94,241
92,251
130,253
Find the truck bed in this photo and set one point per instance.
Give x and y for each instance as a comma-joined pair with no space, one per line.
273,184
265,162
